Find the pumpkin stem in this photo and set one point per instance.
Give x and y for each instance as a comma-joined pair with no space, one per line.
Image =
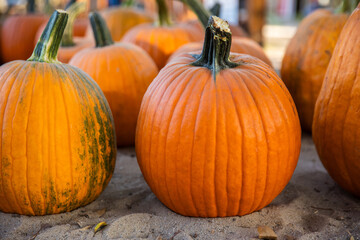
74,10
48,45
163,13
216,49
101,31
215,10
30,7
347,6
70,2
128,3
200,11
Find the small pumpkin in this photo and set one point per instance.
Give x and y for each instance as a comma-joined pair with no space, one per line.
238,45
121,19
218,133
123,71
17,36
336,124
307,57
57,133
161,40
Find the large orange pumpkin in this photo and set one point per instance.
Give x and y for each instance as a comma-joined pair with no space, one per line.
239,45
307,57
121,19
160,41
218,134
57,133
336,126
17,36
123,71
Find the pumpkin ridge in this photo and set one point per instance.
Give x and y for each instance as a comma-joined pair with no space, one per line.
262,119
26,140
69,132
231,94
173,108
351,181
17,202
180,96
192,149
284,117
244,87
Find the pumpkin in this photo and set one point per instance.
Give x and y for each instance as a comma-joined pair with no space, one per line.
163,40
307,57
80,26
17,34
336,123
218,133
121,19
123,71
203,16
238,45
57,132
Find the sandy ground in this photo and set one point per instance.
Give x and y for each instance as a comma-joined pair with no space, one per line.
312,206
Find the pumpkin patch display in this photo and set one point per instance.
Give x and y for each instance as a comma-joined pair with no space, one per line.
162,39
238,45
17,36
57,132
336,124
218,133
123,71
307,57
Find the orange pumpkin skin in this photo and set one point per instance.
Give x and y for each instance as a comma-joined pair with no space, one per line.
217,147
123,72
80,26
336,126
306,60
66,53
121,19
238,45
57,133
17,34
158,42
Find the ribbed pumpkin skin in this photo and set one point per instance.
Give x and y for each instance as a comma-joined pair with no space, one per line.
66,53
336,127
216,149
17,34
306,60
120,20
159,42
57,140
124,72
239,45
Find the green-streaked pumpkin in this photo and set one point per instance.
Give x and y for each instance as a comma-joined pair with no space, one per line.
58,144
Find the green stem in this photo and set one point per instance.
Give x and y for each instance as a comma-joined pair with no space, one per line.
48,45
347,6
163,13
101,31
200,11
216,49
71,2
30,7
128,3
215,10
74,10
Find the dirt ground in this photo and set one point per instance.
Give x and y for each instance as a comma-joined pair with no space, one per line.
312,206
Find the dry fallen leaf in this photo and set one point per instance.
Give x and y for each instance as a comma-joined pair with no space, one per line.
101,212
99,227
266,232
85,228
